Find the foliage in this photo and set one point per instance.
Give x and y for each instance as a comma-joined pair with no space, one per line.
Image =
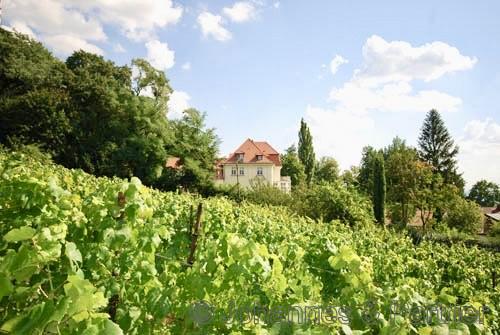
88,255
84,111
197,148
292,167
400,165
306,151
326,170
106,119
437,148
365,175
350,177
463,215
485,193
333,201
379,189
263,193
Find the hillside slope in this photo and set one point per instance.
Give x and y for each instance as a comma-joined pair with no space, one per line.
81,254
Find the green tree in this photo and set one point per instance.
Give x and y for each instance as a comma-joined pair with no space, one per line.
306,151
33,97
350,177
327,170
463,215
400,167
197,148
485,193
379,189
365,175
437,148
291,166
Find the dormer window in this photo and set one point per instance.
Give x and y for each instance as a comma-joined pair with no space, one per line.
259,157
239,157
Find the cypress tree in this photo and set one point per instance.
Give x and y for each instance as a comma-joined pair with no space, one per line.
306,151
379,189
437,148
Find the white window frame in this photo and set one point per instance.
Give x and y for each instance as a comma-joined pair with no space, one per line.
242,171
260,171
234,171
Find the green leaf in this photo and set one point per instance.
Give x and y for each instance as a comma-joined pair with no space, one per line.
6,286
19,234
72,252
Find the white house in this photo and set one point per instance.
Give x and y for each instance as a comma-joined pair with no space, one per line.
253,162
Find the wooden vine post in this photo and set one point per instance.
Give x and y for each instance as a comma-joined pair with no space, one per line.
195,234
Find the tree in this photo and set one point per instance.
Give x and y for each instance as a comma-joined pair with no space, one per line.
291,166
437,148
463,215
400,166
485,193
86,112
350,177
379,189
33,99
306,151
327,170
365,175
197,148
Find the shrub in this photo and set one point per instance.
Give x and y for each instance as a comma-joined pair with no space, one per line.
464,215
331,201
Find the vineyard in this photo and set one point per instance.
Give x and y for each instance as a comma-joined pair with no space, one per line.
88,255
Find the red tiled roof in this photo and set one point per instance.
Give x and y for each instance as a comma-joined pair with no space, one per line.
251,149
173,162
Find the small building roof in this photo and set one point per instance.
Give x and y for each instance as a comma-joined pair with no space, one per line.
494,216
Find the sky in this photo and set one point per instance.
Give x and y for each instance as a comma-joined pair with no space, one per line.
358,72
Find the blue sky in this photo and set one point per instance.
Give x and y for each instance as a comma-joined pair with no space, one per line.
257,67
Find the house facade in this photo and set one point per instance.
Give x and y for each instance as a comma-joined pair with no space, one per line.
253,162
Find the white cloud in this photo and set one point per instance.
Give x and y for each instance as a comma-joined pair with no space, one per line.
276,4
22,27
394,97
336,62
400,61
240,12
479,156
79,23
66,44
178,102
186,66
159,55
137,19
212,25
60,26
383,83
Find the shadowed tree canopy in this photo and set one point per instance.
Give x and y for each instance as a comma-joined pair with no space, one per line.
89,113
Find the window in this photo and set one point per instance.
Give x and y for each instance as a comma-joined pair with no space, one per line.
259,171
259,157
242,171
233,171
239,157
